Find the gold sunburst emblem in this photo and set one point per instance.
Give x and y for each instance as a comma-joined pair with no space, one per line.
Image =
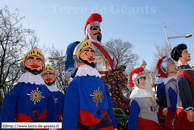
35,96
97,96
101,58
55,99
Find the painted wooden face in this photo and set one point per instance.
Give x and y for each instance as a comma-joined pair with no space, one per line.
88,54
172,67
48,77
142,83
34,62
95,31
185,55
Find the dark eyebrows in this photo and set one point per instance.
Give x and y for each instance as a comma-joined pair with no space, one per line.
89,50
39,58
50,73
30,57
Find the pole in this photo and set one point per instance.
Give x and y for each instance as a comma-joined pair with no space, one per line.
167,38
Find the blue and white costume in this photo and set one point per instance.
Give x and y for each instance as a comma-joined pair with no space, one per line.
28,101
57,110
87,102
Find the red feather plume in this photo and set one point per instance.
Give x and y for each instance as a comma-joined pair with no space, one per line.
93,17
162,74
137,70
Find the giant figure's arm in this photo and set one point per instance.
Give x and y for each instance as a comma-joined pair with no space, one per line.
185,92
8,107
71,109
173,100
133,116
69,61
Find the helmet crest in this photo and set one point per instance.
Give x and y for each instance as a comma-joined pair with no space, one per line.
135,75
93,20
162,74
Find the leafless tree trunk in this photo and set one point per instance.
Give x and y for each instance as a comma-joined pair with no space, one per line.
14,43
122,53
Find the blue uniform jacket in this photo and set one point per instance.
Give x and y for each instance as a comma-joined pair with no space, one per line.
161,93
57,106
87,93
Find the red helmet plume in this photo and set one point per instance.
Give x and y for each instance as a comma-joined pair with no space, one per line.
93,17
137,70
162,74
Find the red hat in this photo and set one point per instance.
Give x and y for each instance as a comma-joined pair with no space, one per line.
135,75
95,17
162,74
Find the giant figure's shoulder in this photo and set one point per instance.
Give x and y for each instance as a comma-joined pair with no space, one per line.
170,82
186,75
74,83
71,46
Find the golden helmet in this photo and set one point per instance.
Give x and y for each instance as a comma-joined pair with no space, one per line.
81,46
34,52
48,68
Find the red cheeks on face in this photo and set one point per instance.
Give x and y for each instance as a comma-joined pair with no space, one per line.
34,62
48,77
88,54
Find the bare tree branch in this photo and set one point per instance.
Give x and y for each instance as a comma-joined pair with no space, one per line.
15,41
161,50
122,53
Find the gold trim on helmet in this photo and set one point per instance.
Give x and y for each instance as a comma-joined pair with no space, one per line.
34,52
84,45
48,68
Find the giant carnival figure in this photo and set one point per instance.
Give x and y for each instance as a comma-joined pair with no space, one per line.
87,101
29,100
184,118
49,74
169,68
161,94
116,80
143,114
104,55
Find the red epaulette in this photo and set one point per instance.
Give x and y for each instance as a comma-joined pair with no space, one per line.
189,76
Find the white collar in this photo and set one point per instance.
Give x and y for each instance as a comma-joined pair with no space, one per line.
161,80
28,77
102,44
140,93
85,70
169,78
53,88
